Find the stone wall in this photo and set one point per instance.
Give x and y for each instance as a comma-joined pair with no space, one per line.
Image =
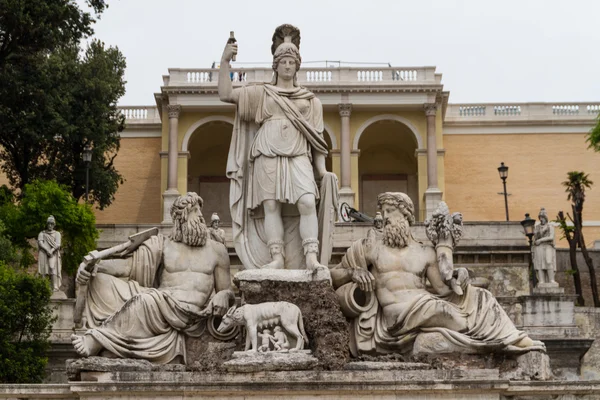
566,280
538,163
138,200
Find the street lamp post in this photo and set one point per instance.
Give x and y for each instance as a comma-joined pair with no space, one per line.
528,224
503,171
87,159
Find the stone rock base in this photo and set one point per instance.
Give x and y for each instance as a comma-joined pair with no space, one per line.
87,369
327,329
243,361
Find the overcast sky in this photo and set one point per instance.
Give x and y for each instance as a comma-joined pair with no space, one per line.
487,51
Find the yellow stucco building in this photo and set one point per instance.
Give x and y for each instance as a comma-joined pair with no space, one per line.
389,129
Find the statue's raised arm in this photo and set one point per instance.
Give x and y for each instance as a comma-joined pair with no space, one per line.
226,92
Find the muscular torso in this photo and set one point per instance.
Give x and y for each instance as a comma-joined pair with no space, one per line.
400,273
188,271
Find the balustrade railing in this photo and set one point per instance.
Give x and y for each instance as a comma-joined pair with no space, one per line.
316,76
521,111
140,114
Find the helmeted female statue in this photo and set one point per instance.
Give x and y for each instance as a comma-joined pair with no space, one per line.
276,160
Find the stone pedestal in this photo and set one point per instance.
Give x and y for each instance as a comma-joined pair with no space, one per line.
243,361
325,326
346,196
433,196
169,197
549,316
58,295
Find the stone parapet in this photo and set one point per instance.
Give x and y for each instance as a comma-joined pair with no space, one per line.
487,234
328,385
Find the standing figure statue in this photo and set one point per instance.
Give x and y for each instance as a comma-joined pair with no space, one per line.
276,162
49,262
216,233
544,252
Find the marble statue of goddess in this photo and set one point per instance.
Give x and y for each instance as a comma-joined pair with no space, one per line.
276,160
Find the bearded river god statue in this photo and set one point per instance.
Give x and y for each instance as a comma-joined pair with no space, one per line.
400,312
144,305
282,199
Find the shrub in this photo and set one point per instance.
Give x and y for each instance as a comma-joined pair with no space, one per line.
25,323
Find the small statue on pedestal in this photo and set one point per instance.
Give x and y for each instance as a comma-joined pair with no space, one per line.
543,252
49,260
216,233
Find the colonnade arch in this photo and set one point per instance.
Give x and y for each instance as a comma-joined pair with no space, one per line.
208,145
387,161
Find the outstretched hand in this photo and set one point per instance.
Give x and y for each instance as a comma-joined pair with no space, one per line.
83,275
364,279
218,305
462,277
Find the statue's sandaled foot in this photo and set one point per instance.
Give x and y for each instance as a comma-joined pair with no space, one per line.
276,251
312,264
85,345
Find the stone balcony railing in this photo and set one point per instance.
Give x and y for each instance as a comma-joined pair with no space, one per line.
521,112
140,114
309,76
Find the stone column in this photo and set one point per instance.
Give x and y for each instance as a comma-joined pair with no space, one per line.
346,193
171,193
433,195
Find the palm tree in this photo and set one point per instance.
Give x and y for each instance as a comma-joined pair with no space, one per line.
576,183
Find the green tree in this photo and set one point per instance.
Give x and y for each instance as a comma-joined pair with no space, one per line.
576,184
31,27
25,323
58,100
568,232
76,222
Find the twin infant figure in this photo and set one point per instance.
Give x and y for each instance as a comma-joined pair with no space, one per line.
278,341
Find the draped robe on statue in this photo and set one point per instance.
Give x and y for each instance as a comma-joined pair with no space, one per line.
544,254
270,158
489,327
131,318
49,265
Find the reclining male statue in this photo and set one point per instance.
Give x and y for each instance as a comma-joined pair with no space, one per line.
395,267
144,305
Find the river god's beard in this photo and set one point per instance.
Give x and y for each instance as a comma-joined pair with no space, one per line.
396,234
194,232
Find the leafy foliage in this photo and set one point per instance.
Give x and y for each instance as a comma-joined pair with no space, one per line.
27,218
593,137
576,183
25,322
29,27
55,100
